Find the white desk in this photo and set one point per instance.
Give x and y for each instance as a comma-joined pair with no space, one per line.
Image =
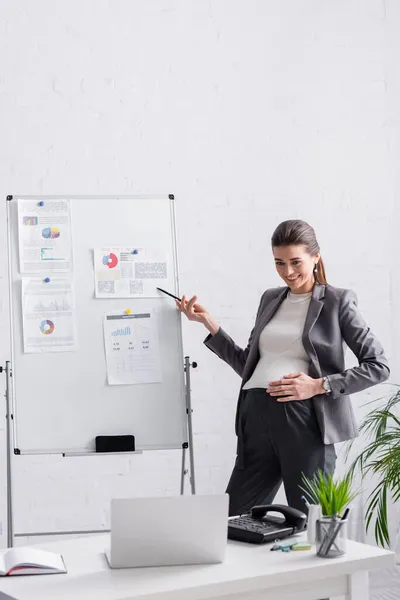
248,573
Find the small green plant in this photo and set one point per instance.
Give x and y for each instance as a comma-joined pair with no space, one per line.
333,496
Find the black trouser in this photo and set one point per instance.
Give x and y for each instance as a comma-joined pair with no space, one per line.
281,440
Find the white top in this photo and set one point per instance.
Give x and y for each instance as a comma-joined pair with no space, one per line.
249,570
280,345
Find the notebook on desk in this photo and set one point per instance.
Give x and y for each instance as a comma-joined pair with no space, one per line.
30,561
166,531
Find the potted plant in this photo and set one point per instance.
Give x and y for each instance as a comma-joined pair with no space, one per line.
381,458
334,498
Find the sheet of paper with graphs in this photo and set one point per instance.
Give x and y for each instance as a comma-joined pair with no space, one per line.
131,272
48,315
132,348
45,239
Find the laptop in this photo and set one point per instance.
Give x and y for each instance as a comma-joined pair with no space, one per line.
165,531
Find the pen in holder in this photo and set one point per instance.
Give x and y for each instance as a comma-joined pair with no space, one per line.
331,537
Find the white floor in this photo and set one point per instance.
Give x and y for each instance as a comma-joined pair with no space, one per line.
385,585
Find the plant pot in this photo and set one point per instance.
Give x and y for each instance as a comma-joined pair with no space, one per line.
331,537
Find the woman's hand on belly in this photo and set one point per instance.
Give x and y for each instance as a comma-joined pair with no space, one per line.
295,386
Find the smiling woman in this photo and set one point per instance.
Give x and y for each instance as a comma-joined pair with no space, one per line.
294,400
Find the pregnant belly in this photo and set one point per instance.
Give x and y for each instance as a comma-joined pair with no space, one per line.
284,366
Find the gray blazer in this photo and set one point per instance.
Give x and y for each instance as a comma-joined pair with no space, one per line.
332,320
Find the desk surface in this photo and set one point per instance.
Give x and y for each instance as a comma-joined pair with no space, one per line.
247,568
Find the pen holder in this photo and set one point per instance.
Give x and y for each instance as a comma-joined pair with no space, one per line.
331,537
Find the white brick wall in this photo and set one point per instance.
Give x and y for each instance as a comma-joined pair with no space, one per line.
251,112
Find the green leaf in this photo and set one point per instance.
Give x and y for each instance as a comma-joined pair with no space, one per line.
333,496
380,457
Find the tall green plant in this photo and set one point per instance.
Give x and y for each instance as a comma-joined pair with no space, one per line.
333,496
381,458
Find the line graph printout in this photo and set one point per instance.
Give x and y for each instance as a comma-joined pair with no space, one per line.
48,315
132,348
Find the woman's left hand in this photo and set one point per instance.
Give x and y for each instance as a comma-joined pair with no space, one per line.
295,386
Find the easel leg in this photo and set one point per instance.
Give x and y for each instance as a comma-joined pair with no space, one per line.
188,444
10,532
183,469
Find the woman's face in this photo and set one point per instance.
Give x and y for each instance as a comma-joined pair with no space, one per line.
296,267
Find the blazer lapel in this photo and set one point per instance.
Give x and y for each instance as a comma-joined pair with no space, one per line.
316,304
269,312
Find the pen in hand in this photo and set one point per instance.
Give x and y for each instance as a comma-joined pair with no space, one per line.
169,294
194,311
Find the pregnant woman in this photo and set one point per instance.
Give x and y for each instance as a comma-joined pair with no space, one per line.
294,400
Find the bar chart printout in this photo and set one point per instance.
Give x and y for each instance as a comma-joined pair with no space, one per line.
132,348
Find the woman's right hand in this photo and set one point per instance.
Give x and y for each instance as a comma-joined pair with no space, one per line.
197,312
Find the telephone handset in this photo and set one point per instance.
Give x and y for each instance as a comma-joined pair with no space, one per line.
258,527
292,516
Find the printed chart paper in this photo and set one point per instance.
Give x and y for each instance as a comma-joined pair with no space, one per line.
132,349
48,315
130,272
44,229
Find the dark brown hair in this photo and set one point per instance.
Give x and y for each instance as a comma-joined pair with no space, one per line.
296,233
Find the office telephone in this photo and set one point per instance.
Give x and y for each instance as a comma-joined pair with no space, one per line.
256,527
